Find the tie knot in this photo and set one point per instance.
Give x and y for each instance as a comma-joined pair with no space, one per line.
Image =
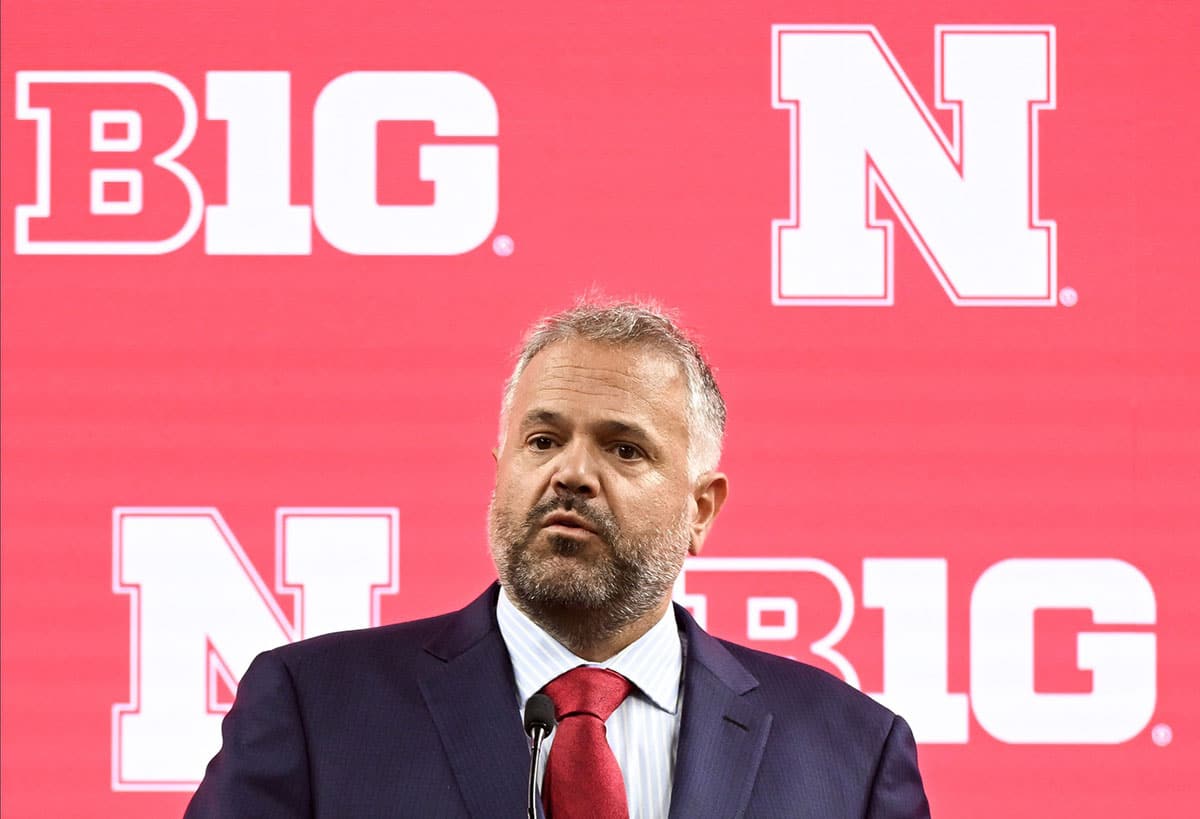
595,691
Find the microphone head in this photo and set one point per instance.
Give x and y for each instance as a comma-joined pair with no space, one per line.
539,713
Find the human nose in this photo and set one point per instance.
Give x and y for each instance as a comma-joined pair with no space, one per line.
575,471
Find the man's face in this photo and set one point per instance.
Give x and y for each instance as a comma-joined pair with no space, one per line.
593,510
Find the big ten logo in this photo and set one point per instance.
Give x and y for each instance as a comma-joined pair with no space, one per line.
111,177
860,131
804,607
200,612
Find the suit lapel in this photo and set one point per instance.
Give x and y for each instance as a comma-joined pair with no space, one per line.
470,693
722,735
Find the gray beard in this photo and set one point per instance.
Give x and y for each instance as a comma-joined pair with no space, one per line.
580,603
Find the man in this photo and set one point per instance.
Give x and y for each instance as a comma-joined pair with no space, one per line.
606,479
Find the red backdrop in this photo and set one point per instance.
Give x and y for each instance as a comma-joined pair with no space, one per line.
979,487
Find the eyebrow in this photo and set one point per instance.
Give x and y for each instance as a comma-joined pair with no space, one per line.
614,428
610,428
541,416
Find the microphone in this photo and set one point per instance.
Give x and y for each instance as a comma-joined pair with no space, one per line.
539,724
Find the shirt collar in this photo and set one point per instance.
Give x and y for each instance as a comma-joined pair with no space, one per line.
653,662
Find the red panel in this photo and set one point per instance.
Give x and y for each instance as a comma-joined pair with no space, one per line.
639,152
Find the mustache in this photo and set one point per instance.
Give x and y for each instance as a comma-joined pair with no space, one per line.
601,520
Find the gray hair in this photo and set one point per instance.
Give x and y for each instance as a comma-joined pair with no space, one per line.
642,324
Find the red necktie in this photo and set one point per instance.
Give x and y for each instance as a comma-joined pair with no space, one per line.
583,780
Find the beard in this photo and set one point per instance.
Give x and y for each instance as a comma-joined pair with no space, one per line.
581,598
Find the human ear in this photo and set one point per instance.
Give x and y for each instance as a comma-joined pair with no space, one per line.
709,496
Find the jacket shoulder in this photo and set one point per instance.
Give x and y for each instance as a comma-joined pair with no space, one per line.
789,686
394,643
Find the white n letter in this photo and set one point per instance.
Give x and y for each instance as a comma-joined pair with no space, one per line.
969,202
199,612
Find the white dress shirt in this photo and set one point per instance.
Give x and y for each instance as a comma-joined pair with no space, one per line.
644,730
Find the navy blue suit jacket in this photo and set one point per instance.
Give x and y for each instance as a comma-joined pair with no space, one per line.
420,719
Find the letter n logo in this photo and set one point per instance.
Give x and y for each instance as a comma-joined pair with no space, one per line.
969,201
199,612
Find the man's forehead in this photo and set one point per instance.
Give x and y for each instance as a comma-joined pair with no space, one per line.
638,376
622,363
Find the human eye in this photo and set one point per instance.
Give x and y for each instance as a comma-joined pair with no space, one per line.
628,452
540,443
